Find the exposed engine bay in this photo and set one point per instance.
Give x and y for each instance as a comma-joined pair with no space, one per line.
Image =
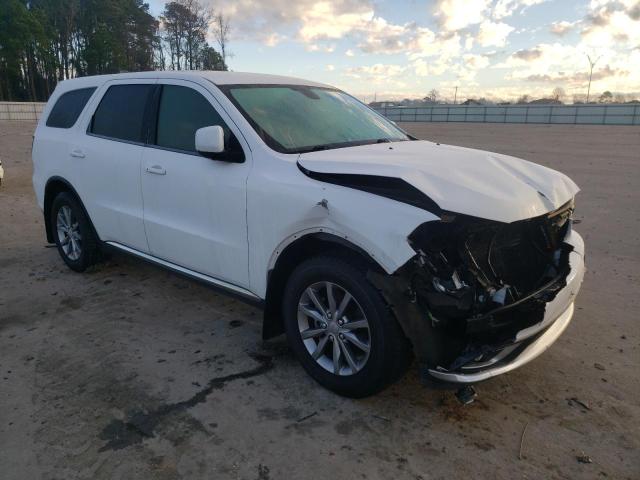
475,283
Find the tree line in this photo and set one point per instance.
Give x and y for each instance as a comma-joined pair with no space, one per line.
43,42
558,97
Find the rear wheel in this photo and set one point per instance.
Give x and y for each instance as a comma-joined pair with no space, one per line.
340,328
74,236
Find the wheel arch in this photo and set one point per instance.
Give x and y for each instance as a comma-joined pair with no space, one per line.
302,247
54,186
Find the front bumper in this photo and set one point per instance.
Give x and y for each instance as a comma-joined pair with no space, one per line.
532,341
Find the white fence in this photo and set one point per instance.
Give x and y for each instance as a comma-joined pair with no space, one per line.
29,111
628,114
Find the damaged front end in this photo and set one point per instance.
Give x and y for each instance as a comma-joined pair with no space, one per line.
476,296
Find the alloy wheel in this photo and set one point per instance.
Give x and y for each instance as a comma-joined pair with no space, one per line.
334,328
69,235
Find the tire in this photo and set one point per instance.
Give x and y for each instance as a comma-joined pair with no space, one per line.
367,373
78,247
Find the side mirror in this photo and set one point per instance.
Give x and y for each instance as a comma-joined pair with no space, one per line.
210,140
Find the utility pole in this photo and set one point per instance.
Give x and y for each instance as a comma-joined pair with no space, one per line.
592,63
455,96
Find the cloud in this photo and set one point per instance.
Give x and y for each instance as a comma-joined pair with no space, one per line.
459,14
475,61
493,34
567,65
314,47
273,39
542,58
350,53
378,76
313,22
506,8
443,47
379,36
577,78
310,20
377,70
330,68
468,43
328,20
464,68
422,68
561,28
528,55
612,23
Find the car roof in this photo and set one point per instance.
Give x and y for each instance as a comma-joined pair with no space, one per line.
215,77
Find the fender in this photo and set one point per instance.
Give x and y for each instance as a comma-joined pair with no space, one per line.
293,250
325,234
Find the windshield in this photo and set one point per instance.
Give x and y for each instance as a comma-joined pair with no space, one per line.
298,118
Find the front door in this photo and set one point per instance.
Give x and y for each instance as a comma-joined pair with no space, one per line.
194,207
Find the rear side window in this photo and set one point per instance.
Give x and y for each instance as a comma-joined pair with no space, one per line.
69,107
120,114
181,112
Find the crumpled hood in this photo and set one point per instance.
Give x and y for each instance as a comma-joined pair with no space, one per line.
461,180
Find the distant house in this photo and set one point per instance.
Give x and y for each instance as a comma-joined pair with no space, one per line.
471,101
546,101
381,104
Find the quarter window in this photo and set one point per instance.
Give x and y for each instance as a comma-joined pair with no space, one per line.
68,108
181,112
120,114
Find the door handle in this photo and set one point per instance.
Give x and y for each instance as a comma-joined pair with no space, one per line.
77,153
156,170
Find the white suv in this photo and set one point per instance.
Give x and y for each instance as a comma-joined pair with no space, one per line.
365,245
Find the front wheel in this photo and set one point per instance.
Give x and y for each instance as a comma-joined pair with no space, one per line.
340,328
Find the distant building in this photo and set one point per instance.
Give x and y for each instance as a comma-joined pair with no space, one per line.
381,104
546,101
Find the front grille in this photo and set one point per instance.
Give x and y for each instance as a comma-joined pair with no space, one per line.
521,254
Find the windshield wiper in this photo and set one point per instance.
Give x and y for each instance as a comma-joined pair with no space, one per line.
330,146
315,148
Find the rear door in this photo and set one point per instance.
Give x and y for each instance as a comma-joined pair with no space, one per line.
109,158
195,207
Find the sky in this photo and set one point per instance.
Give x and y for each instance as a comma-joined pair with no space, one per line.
389,50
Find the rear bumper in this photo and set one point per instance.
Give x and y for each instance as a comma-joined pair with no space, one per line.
532,341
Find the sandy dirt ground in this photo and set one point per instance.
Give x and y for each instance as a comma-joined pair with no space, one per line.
131,372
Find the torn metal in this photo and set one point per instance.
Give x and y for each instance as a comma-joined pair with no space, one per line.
474,284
